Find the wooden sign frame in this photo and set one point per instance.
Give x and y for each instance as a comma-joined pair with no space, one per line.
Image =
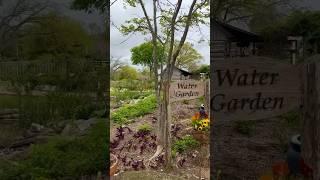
254,88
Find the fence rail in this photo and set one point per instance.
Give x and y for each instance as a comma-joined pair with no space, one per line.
67,70
20,68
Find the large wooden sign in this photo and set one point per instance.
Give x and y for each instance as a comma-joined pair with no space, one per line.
186,90
254,88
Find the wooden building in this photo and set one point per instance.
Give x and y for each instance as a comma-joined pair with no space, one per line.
179,74
230,41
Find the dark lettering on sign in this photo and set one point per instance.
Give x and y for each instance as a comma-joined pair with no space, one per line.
254,88
219,103
187,86
233,77
245,79
186,94
186,90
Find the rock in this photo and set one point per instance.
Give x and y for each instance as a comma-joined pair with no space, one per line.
36,127
70,129
78,127
83,125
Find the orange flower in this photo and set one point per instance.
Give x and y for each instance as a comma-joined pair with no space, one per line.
280,169
196,116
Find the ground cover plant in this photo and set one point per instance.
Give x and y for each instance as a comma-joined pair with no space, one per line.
184,144
127,112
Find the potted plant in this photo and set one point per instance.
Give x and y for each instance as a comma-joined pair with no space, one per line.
113,164
201,128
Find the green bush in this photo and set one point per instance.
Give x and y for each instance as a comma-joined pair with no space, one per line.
62,158
145,128
184,144
145,106
55,107
84,111
133,85
128,95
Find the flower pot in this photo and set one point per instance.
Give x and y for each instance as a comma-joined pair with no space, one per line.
114,164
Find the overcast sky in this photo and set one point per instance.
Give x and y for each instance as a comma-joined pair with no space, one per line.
121,45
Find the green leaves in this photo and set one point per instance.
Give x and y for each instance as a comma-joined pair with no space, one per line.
62,157
132,3
164,18
188,57
55,36
128,72
145,106
86,5
184,144
142,54
134,25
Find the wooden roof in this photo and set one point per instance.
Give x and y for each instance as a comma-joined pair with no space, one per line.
238,34
183,72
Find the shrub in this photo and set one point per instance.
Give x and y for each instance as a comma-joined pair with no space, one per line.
128,95
139,85
145,106
62,158
84,111
184,144
145,128
54,107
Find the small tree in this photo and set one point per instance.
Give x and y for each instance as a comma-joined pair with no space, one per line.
128,72
172,20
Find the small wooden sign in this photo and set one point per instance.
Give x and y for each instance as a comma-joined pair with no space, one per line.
254,88
186,90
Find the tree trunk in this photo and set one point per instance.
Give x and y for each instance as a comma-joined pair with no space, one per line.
311,119
167,124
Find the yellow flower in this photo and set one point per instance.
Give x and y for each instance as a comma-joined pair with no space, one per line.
200,128
205,122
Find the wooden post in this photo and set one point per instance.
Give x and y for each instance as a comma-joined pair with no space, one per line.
207,96
311,118
167,126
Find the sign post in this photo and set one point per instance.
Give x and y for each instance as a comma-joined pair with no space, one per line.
186,90
311,118
183,90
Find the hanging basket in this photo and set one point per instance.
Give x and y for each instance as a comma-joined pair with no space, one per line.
114,164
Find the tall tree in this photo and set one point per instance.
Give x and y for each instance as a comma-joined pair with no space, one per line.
172,20
143,55
116,64
103,6
56,37
14,15
243,10
188,57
